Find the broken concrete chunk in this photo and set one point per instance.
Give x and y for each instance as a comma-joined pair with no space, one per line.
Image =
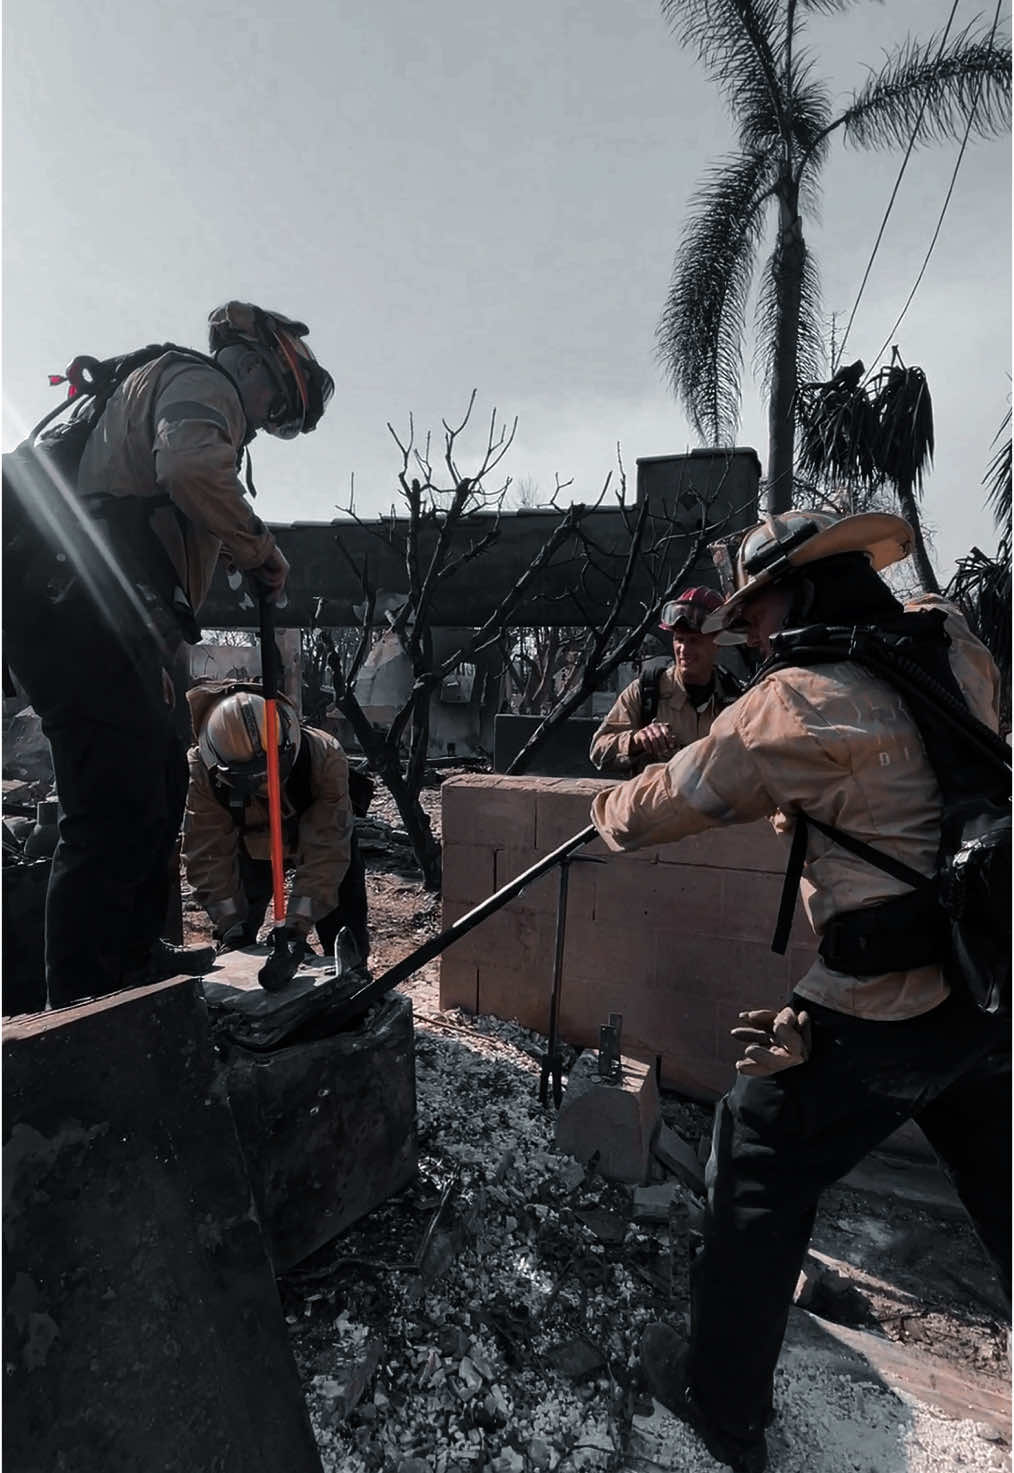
607,1226
830,1295
653,1204
577,1359
677,1156
540,1454
470,1377
615,1122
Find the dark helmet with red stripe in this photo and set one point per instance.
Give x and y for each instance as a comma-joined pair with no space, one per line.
304,388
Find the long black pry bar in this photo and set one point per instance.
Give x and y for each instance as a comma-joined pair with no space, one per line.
552,1064
552,1059
357,1003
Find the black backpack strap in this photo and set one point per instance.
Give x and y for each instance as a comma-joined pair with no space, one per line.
797,857
648,683
790,886
893,867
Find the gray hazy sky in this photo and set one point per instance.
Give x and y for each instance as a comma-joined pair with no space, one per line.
453,195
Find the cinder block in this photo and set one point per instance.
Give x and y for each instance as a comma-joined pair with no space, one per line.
542,896
459,982
650,897
564,809
498,810
750,902
142,1323
611,954
468,871
616,1120
507,993
514,936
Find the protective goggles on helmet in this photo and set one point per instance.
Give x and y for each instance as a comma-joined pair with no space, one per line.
304,388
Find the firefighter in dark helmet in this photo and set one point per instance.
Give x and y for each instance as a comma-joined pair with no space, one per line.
158,491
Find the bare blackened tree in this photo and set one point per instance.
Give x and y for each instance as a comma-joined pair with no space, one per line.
536,660
435,521
616,639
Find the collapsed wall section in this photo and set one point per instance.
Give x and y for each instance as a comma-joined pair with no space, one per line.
677,938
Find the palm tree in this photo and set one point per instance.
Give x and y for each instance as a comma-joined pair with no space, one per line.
871,434
982,584
925,92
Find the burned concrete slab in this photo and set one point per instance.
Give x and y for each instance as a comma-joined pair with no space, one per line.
326,1119
142,1327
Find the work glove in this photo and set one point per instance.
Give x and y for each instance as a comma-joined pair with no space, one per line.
774,1041
272,573
236,937
288,948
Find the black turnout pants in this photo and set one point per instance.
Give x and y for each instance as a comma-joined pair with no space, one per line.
351,910
121,776
779,1141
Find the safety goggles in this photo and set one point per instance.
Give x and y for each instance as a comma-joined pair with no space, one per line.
305,389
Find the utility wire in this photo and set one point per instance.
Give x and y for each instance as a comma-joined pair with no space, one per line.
894,196
943,208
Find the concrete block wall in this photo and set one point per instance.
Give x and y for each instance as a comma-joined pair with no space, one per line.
677,939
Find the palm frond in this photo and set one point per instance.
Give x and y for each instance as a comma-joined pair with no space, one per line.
811,353
900,398
738,43
838,431
997,481
700,334
827,7
930,92
981,587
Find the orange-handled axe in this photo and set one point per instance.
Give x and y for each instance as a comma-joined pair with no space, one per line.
269,684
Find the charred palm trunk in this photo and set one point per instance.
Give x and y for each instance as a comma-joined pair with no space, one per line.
790,254
920,555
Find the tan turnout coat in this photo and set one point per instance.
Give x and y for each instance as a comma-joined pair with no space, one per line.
610,746
211,840
177,426
839,745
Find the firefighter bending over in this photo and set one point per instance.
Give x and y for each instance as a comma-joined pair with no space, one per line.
226,832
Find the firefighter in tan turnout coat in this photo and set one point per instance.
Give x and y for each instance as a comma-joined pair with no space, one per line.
159,484
828,1078
682,701
226,833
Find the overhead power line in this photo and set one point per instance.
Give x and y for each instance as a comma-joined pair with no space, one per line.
943,209
894,195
